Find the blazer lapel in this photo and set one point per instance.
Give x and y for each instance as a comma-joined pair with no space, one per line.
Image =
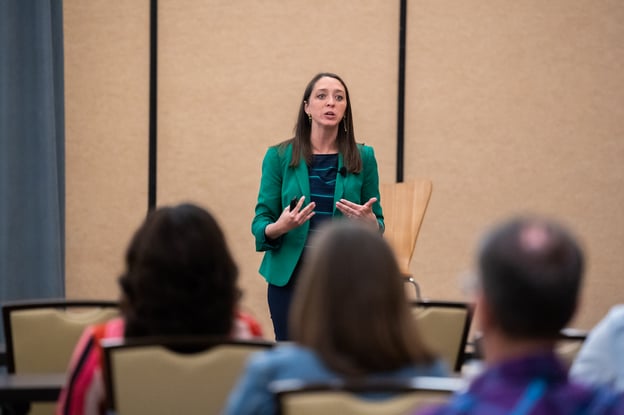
301,172
340,182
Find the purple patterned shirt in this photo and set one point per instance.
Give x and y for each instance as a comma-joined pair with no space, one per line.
536,385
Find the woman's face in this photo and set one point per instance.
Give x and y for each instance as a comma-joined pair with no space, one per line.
327,103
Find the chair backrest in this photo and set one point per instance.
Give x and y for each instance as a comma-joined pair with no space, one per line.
570,342
404,205
173,375
362,398
444,326
41,334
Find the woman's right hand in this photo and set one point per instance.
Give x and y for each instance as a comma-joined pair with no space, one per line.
290,219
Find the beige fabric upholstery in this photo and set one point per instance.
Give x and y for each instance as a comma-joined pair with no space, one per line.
151,379
343,403
43,339
444,329
353,396
44,335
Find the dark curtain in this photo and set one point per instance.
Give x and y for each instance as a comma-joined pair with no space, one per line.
32,150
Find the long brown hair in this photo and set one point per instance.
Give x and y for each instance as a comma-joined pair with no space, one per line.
345,139
350,305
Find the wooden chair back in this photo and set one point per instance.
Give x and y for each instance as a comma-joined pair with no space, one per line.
404,206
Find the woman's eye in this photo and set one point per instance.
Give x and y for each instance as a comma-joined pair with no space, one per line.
339,98
320,96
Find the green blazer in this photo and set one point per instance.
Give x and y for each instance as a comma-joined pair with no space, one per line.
280,183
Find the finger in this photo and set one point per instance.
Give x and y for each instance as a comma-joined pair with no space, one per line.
348,203
369,204
286,214
310,207
300,203
341,207
304,217
348,212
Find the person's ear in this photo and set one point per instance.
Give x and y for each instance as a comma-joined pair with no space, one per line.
482,313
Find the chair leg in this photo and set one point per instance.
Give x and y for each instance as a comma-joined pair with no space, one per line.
410,280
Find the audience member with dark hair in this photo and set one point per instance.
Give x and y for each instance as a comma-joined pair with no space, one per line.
529,279
179,279
349,319
601,358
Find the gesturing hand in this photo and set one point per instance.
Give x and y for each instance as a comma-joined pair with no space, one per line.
358,212
290,219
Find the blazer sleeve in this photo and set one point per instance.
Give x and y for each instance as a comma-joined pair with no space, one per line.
268,206
370,183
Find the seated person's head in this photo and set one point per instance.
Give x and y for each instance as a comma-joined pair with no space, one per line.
350,305
530,274
180,278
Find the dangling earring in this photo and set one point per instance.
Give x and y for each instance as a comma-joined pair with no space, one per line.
310,117
344,120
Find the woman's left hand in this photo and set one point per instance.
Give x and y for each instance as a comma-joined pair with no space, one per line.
358,212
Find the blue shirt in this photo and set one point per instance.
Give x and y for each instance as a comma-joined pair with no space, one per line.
290,361
601,358
322,175
536,385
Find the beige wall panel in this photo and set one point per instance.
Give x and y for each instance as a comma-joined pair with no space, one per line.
517,107
106,101
231,77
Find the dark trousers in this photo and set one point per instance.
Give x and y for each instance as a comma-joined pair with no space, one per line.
279,299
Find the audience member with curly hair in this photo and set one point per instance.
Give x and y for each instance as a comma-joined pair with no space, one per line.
179,279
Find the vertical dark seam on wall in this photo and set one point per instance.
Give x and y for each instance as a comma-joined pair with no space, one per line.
153,101
401,92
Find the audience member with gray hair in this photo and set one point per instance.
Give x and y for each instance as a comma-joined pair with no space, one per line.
529,277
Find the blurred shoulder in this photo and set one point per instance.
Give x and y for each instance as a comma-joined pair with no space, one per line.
284,355
616,313
365,148
439,368
436,368
279,151
366,152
